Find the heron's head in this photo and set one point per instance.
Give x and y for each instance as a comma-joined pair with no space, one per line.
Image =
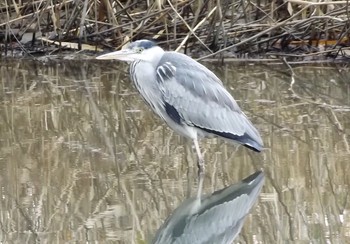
144,50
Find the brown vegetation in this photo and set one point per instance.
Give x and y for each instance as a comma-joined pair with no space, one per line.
299,29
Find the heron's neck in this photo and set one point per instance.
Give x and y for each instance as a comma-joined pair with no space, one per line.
154,55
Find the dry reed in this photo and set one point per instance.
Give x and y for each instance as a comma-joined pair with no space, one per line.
294,29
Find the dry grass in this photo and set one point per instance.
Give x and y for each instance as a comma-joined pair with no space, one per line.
295,29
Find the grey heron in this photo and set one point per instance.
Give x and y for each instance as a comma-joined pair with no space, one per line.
189,97
213,218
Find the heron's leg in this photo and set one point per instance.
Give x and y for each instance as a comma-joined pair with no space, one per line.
200,185
200,162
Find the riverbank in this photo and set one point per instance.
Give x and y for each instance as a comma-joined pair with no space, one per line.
291,30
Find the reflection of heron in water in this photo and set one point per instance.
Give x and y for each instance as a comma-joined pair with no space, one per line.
189,97
215,218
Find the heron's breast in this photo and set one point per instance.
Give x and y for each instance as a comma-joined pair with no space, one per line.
143,76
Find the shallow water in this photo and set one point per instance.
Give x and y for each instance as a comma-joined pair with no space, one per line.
83,159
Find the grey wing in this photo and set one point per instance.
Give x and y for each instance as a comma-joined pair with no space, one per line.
217,218
202,101
221,215
220,224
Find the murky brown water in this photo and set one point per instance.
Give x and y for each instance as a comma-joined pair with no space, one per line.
83,159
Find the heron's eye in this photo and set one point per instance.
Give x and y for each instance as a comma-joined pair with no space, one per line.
139,49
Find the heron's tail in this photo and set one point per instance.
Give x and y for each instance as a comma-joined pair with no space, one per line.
245,139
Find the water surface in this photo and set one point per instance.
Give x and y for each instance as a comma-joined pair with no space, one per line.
83,159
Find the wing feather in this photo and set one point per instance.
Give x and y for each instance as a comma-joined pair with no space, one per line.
201,100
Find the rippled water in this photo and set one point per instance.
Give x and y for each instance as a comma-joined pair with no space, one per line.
83,159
